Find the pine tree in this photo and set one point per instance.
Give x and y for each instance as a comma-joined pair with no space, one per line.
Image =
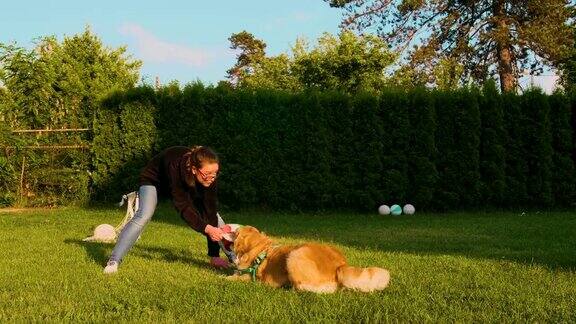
489,36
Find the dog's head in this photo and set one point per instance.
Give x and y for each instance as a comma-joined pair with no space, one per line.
248,243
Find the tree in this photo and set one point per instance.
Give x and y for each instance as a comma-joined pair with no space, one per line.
274,72
447,73
345,62
568,67
489,37
59,84
252,51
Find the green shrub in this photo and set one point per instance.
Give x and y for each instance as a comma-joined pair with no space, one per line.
422,173
562,176
537,135
124,140
322,150
392,157
492,146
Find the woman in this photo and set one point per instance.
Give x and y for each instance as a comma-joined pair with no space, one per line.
188,176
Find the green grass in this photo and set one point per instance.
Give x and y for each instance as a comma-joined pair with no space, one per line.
458,267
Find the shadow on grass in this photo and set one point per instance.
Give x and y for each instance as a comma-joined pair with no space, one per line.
545,239
540,239
100,252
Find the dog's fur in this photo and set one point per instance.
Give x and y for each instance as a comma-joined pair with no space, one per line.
312,267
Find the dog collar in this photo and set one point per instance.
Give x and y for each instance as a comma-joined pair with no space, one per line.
255,265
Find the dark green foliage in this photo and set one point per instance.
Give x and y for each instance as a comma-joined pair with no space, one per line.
538,144
468,140
516,164
422,173
572,96
394,117
171,105
59,186
8,172
312,175
323,150
458,143
563,184
492,146
268,168
124,141
344,167
369,152
447,195
242,175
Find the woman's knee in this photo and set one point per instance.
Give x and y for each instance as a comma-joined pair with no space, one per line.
147,199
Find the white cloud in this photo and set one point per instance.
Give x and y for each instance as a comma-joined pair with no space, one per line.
152,49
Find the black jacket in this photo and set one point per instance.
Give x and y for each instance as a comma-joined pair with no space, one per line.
167,171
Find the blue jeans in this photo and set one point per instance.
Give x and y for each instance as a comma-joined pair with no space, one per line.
148,198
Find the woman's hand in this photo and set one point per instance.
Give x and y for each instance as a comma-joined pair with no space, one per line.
214,233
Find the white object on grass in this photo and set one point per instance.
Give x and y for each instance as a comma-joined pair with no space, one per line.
384,210
102,233
111,267
409,209
107,233
396,210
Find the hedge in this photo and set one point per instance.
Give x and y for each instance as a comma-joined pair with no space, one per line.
460,149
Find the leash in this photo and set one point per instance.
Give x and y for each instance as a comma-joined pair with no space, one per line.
229,253
132,199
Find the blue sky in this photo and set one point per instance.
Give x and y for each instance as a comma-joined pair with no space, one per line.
176,40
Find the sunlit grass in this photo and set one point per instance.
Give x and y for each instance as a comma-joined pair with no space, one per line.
445,267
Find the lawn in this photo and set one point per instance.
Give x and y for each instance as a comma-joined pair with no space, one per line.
453,267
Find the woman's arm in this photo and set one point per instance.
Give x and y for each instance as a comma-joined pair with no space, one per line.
211,203
182,200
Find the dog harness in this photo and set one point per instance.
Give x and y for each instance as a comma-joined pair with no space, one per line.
255,265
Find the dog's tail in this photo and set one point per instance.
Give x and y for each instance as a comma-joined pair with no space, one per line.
363,279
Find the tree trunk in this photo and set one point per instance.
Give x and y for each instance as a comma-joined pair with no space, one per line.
505,68
503,49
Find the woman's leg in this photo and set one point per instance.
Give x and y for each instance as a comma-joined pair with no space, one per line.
213,248
147,204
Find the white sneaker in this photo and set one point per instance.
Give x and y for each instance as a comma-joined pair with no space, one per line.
111,267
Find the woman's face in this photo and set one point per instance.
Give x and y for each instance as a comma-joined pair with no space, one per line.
206,174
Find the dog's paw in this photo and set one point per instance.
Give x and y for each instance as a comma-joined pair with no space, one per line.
236,277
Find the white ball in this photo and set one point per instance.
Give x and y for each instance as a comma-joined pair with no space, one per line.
384,210
409,209
104,232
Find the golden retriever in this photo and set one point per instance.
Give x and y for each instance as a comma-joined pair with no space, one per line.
311,267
